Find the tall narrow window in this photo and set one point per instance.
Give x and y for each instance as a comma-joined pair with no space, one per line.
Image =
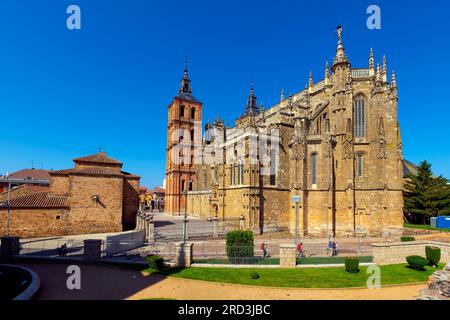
242,172
190,185
273,169
182,185
181,111
314,168
232,174
192,113
359,163
360,121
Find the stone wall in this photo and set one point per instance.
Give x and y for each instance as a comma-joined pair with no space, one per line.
59,184
130,202
30,223
88,215
396,252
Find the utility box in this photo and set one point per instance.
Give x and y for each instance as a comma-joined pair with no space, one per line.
433,222
443,222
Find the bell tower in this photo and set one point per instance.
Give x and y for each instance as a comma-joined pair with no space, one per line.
183,142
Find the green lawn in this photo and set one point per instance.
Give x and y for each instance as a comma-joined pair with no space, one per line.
276,261
302,278
424,226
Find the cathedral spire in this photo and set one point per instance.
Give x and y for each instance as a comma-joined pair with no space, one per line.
185,91
252,106
340,51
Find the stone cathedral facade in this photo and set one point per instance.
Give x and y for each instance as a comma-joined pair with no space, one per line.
336,144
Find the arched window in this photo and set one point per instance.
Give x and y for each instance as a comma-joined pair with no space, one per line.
190,185
360,120
314,168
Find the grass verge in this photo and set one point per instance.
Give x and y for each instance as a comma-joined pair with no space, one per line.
303,278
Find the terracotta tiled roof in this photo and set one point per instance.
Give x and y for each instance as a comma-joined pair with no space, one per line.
100,157
94,171
35,174
130,175
38,200
158,190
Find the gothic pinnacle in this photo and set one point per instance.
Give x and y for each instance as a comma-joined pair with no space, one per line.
393,80
378,73
282,95
311,82
371,60
384,70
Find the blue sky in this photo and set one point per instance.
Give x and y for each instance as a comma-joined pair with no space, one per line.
64,94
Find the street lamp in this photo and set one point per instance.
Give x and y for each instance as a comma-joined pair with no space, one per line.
185,216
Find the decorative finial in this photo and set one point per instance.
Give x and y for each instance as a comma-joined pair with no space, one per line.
311,82
371,59
282,95
393,80
339,34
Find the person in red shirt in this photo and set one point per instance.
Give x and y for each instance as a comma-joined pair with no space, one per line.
300,249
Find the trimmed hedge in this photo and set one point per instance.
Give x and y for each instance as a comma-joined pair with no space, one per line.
417,262
240,243
404,239
155,262
433,255
352,264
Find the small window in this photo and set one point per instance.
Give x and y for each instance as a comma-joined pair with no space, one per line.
192,113
58,217
273,179
182,185
181,111
190,185
192,135
360,162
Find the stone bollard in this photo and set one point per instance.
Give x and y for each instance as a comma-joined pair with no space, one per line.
215,227
10,247
241,222
288,257
184,254
150,233
92,250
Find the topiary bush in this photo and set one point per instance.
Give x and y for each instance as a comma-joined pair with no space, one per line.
155,262
404,239
433,255
240,243
417,262
255,275
352,264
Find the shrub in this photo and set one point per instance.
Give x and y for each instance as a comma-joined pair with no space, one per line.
433,255
416,262
404,239
155,262
240,243
352,264
255,275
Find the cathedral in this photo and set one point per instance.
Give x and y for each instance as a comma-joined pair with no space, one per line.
336,144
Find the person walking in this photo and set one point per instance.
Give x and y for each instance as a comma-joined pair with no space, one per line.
300,250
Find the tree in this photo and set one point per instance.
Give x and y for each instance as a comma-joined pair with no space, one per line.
426,196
